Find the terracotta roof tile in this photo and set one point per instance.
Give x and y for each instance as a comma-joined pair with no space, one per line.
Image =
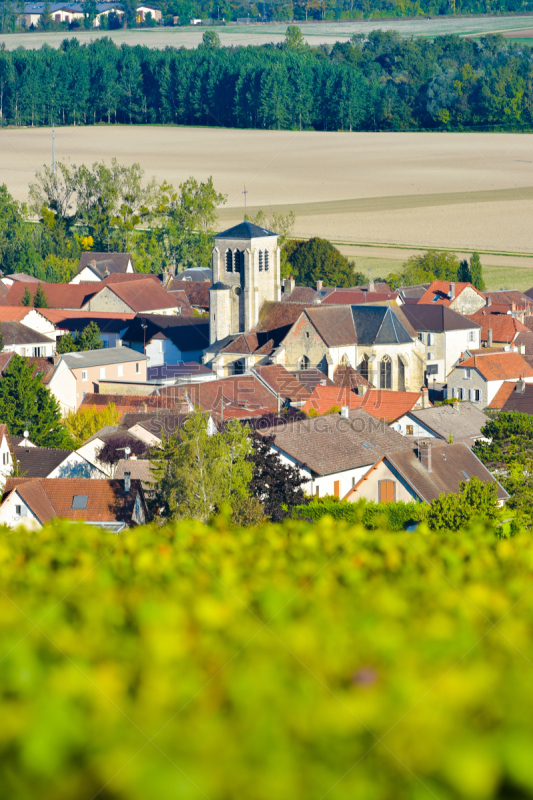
441,291
15,313
139,298
282,382
350,377
197,292
381,403
507,398
51,498
499,366
242,395
59,295
352,297
504,328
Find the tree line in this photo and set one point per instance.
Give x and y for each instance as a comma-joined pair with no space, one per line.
381,82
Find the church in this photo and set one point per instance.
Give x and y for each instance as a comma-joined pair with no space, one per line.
250,326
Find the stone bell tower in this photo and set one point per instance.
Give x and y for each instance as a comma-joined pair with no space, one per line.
246,272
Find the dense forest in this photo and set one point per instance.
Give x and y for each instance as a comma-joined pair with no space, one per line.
381,82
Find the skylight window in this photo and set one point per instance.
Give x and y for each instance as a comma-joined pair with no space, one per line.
435,298
465,475
366,445
373,442
79,501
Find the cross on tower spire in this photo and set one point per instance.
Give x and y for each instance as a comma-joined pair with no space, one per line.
245,192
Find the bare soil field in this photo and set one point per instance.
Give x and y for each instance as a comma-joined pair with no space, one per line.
314,32
398,191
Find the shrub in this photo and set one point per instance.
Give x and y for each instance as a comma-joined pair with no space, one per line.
287,661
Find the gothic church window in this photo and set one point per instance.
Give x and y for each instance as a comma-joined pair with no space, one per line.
363,367
229,261
266,261
304,363
345,361
260,261
385,373
237,260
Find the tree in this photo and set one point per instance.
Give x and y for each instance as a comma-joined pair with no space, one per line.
475,499
45,20
509,438
89,338
430,266
294,39
25,404
85,422
317,259
39,298
210,40
115,449
476,272
277,486
26,298
66,344
196,473
463,273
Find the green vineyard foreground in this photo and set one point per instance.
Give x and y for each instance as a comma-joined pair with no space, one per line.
291,661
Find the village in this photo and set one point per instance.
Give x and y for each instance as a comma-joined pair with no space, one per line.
370,393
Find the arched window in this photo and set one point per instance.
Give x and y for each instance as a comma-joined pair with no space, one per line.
266,261
239,367
260,261
363,367
402,372
304,363
345,361
385,373
229,261
237,260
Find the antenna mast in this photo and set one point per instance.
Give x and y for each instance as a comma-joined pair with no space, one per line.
245,192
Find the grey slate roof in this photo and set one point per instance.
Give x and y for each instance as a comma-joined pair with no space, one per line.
448,462
437,318
219,285
16,333
187,333
332,443
196,274
39,462
462,420
100,358
245,230
378,325
105,263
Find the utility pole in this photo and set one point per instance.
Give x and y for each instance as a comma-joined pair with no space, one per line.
245,192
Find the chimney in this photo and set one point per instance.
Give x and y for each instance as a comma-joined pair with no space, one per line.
513,308
319,285
425,398
345,412
288,286
456,405
371,285
488,300
361,390
56,359
424,452
127,482
489,337
452,290
520,387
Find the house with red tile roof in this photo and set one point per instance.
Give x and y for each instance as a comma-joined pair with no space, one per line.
58,295
479,377
497,330
112,504
461,297
135,296
380,403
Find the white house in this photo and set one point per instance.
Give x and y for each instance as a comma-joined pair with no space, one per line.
335,451
479,377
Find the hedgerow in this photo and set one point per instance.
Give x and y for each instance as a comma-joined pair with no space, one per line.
290,661
388,516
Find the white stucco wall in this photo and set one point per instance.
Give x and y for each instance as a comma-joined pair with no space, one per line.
9,516
325,483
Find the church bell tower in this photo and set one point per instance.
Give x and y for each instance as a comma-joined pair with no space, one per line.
246,272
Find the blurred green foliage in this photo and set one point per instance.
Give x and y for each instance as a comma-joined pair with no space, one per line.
387,516
288,661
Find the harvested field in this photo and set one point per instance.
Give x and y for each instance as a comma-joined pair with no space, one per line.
315,32
402,190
